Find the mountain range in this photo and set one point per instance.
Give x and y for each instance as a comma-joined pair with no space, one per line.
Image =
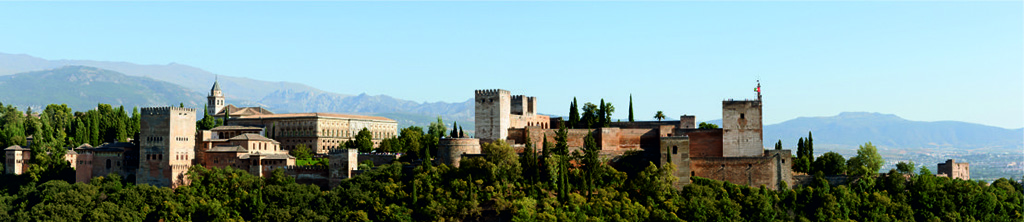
27,81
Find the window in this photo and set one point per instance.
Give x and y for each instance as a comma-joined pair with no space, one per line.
108,164
675,150
742,116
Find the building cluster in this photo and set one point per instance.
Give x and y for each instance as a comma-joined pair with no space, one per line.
258,141
254,139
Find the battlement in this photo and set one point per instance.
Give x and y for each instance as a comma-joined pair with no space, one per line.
166,109
294,168
492,92
340,151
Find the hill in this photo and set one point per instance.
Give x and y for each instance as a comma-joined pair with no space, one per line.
81,88
856,128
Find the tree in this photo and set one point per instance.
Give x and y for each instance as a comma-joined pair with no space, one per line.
778,145
455,130
867,161
706,125
462,134
364,140
574,114
906,167
608,110
830,163
601,117
630,107
659,115
302,152
589,119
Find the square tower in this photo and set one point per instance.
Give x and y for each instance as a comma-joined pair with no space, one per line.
166,145
741,125
676,150
493,107
215,101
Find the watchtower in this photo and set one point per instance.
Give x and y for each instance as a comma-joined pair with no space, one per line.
493,107
741,125
215,101
166,145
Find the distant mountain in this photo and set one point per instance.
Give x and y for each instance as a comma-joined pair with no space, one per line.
81,88
279,97
189,77
856,128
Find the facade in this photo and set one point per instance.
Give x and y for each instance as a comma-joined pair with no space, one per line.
215,101
955,170
166,145
120,158
17,159
320,132
450,150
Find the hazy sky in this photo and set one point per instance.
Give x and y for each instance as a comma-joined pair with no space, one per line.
926,61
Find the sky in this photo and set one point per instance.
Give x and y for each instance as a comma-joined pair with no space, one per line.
925,61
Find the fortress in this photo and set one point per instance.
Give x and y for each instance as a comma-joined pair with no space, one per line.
733,153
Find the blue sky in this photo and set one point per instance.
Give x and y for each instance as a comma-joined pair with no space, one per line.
927,61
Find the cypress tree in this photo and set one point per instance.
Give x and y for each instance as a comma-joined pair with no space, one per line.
462,134
574,113
601,119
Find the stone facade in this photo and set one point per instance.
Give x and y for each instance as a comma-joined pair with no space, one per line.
119,158
955,170
342,163
450,150
167,145
17,159
676,150
741,125
320,132
492,114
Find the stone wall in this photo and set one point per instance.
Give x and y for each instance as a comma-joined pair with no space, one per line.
955,170
450,150
320,132
379,158
750,171
741,124
316,175
703,142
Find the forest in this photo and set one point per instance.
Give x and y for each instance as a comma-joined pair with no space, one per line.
549,184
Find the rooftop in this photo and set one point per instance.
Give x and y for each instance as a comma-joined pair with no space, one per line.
250,136
225,128
227,149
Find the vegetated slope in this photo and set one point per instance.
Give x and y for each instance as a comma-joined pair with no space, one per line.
855,128
82,87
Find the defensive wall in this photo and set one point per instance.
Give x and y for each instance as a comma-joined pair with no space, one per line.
765,170
955,170
450,150
316,175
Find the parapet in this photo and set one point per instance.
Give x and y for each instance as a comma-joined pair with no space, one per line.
492,92
165,110
341,151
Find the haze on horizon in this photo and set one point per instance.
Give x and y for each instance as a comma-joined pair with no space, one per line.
927,61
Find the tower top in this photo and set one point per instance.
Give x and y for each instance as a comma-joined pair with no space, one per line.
758,89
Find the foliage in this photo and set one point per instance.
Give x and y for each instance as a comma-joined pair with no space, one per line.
301,152
706,125
630,107
364,141
867,161
830,163
574,114
659,115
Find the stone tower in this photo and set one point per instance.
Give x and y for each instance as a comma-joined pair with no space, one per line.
215,101
166,145
741,125
676,150
493,107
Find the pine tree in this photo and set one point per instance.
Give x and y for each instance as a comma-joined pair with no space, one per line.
630,107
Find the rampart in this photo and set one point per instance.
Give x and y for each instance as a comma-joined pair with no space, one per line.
317,175
450,150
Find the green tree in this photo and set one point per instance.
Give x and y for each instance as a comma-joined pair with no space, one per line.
302,152
455,130
590,115
906,167
574,114
778,145
706,125
867,162
630,107
601,117
659,115
830,163
364,140
608,110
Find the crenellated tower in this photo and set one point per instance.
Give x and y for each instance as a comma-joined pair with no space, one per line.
493,107
166,145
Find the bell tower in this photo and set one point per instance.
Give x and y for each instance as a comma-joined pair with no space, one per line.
215,101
